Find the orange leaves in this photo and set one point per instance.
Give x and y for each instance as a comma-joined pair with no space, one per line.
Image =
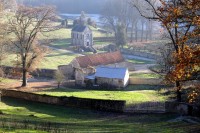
186,62
194,95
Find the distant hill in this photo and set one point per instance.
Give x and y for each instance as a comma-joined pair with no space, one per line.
70,6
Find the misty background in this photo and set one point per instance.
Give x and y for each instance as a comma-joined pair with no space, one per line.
70,6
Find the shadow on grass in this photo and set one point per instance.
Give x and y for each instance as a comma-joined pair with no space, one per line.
128,88
144,87
87,120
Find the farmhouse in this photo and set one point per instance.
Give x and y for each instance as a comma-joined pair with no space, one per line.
82,37
111,76
86,65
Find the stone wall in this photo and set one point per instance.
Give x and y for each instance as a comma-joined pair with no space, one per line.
96,104
146,81
48,73
67,71
180,108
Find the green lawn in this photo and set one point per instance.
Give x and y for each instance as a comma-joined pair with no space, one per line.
145,75
137,61
131,95
62,37
16,112
56,58
51,61
6,80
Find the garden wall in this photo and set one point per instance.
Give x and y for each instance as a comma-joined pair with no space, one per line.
146,81
181,108
97,104
49,73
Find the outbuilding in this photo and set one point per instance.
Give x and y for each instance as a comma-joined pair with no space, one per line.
112,76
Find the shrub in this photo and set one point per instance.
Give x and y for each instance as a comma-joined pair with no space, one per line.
1,72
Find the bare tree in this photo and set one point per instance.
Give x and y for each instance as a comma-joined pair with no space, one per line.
3,37
27,24
59,77
10,5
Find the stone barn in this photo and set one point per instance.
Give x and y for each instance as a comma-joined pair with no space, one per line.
111,76
82,37
85,65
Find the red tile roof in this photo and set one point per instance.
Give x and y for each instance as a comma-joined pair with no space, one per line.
100,59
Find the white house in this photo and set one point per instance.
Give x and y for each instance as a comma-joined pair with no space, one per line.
117,77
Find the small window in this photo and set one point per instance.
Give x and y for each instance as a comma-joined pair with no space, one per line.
120,81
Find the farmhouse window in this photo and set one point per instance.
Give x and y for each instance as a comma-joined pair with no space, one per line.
120,81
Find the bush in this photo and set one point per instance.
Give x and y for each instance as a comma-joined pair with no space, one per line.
1,72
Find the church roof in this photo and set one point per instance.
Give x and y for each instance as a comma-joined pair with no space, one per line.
79,28
100,59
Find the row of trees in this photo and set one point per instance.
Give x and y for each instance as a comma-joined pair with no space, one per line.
121,14
181,20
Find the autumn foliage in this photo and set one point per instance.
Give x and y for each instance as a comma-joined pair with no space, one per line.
181,20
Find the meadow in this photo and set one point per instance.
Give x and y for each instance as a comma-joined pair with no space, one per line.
14,113
132,94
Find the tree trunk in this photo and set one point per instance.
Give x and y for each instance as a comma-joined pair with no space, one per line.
132,26
24,78
147,32
142,31
150,30
136,32
178,91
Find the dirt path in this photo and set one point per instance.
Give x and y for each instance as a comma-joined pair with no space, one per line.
33,85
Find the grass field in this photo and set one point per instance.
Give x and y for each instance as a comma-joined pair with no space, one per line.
51,61
62,37
79,120
138,61
6,80
133,94
145,75
56,58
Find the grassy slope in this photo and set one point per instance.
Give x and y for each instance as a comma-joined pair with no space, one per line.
6,80
137,61
56,58
133,94
144,75
51,61
78,120
62,39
